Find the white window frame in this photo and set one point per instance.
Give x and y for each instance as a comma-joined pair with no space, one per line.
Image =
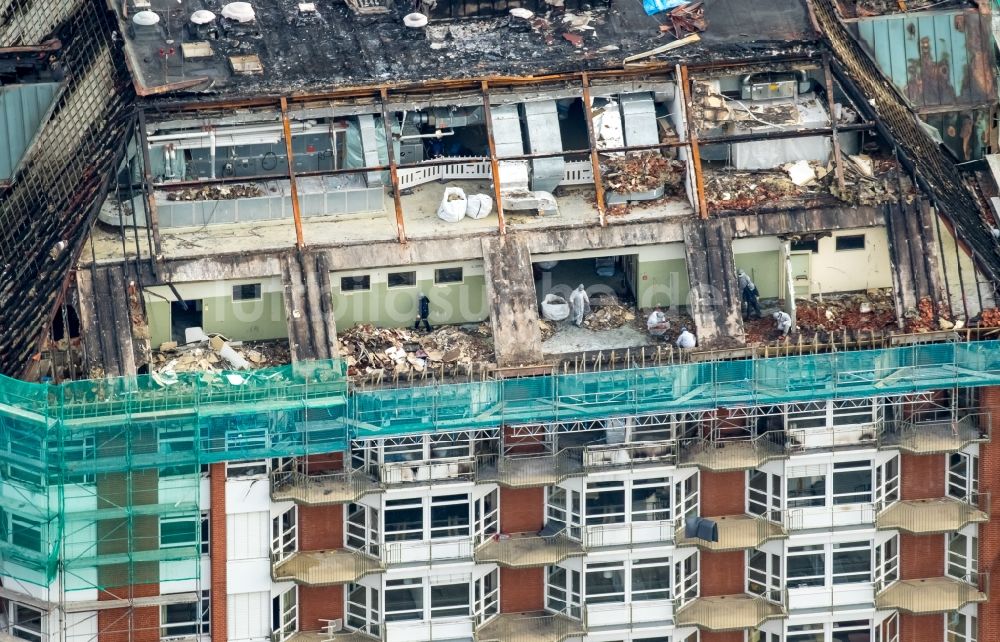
427,531
288,614
201,625
195,526
961,627
563,597
427,610
828,553
962,565
19,626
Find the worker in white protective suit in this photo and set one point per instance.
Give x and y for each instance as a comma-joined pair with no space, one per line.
579,304
686,340
782,323
657,323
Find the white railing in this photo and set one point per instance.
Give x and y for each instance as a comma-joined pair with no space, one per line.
618,614
426,551
597,535
576,173
445,628
424,471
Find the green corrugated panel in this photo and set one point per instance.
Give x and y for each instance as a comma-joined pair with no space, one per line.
22,108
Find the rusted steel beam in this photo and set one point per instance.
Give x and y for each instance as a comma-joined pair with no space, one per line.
695,160
393,170
838,167
147,190
595,162
46,47
494,164
296,212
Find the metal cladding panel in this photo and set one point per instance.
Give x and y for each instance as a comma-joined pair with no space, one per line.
22,108
934,58
542,122
639,119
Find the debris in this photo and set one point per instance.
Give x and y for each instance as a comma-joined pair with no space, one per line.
800,172
642,172
652,7
608,313
554,307
687,18
368,349
864,164
667,47
990,318
235,359
168,346
215,193
194,335
575,39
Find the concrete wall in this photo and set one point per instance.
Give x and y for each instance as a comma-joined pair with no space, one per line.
830,270
383,306
259,319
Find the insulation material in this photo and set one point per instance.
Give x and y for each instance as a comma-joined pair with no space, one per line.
765,154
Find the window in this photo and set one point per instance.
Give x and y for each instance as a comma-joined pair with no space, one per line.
605,582
806,633
605,503
246,292
238,470
806,566
78,453
188,619
963,476
180,531
404,519
852,482
448,275
355,283
402,279
26,623
562,590
285,613
449,600
450,516
650,579
811,245
404,599
650,500
851,242
963,556
806,491
21,531
852,631
206,536
852,562
960,627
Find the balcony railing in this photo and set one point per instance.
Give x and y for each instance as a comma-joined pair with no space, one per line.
527,550
730,612
525,470
939,431
629,613
340,487
416,472
933,594
529,627
939,515
731,454
445,628
834,437
629,533
324,568
426,551
324,636
739,532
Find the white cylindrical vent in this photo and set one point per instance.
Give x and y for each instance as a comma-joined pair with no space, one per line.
415,20
239,12
202,17
145,18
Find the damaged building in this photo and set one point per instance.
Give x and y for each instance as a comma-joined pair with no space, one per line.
295,349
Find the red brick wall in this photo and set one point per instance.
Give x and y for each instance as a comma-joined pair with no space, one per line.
129,625
921,476
921,628
989,533
321,527
329,462
522,510
921,556
722,493
319,602
217,552
722,573
522,590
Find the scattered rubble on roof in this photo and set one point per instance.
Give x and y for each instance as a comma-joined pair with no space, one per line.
215,353
368,349
608,313
642,172
869,312
215,193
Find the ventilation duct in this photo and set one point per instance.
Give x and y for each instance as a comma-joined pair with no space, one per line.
542,123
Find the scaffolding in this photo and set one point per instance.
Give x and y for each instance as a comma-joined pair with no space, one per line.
99,474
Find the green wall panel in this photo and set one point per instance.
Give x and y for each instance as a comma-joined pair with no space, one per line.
662,283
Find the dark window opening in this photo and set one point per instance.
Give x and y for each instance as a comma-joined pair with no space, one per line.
852,242
806,246
402,279
448,275
355,283
183,315
246,292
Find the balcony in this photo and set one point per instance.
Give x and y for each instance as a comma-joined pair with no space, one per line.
939,515
629,533
736,532
323,636
324,568
525,550
630,614
321,489
725,455
529,627
445,628
427,551
728,612
933,594
416,472
933,432
801,439
526,470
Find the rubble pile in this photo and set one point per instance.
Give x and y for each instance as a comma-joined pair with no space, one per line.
642,172
710,109
871,312
990,318
739,190
214,353
922,319
547,328
608,315
867,181
215,193
368,349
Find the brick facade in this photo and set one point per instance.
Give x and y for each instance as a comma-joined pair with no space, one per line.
140,624
921,476
989,533
522,510
921,628
722,573
319,603
217,552
321,527
921,556
522,590
723,493
721,636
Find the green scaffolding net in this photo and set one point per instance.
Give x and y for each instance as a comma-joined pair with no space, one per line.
102,479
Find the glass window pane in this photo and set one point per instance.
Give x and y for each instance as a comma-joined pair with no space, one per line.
606,586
